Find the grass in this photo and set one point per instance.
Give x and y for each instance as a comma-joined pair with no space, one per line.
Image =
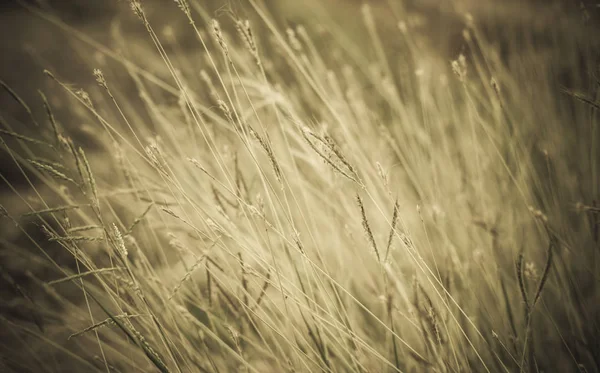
284,200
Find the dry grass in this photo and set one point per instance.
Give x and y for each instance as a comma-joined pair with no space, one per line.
287,200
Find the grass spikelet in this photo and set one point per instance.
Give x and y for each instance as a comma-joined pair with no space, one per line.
240,183
209,292
225,109
218,34
85,98
187,276
579,206
459,68
547,266
392,230
367,228
126,282
100,79
172,213
432,317
136,6
197,164
19,100
104,323
538,215
78,164
52,171
176,216
521,281
185,7
83,274
48,162
83,228
350,174
428,318
244,280
75,239
495,86
139,219
125,325
293,40
333,147
52,210
243,28
50,115
90,179
583,98
155,156
298,242
269,151
183,250
263,291
383,175
24,138
235,336
119,242
148,350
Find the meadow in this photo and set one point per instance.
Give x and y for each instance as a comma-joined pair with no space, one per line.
352,189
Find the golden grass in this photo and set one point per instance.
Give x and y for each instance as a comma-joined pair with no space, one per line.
285,201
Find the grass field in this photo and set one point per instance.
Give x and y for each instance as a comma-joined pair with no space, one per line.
338,187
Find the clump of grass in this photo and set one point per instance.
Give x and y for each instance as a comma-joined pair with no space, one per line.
222,233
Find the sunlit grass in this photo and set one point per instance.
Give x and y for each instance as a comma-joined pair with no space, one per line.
271,202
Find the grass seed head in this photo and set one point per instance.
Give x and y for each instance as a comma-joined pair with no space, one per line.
459,67
119,242
367,228
100,78
245,32
218,34
184,6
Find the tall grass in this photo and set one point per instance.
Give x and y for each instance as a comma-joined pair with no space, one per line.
282,200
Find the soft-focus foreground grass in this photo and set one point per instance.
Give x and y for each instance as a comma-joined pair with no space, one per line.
269,200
